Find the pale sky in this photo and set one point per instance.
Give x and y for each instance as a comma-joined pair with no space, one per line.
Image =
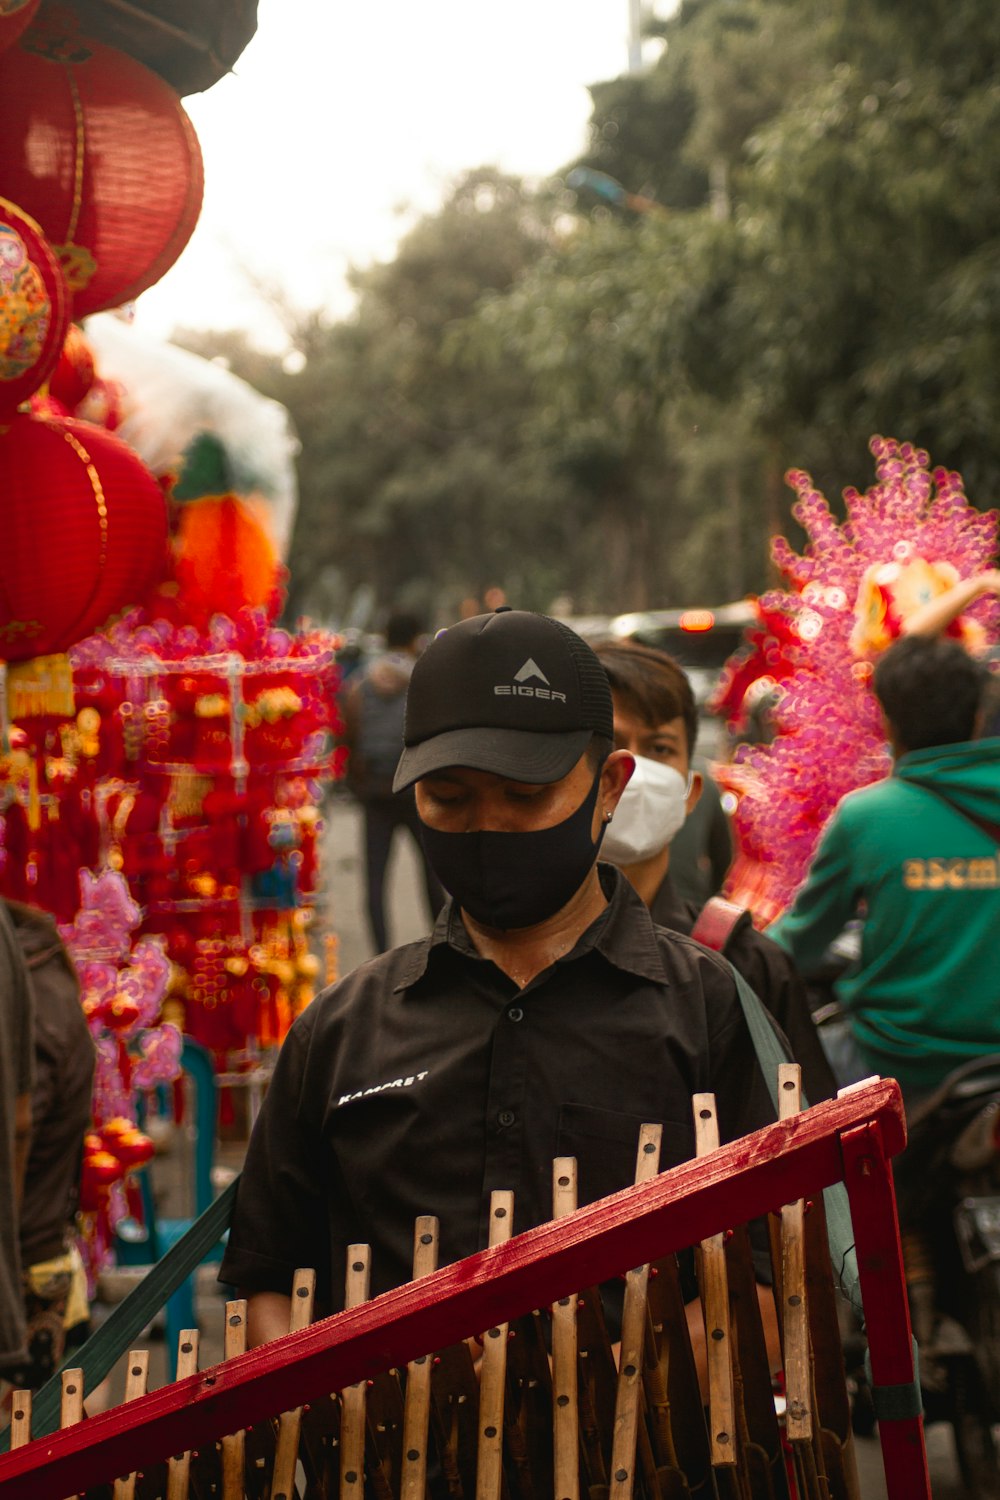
342,113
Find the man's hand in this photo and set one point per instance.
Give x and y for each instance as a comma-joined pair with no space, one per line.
268,1317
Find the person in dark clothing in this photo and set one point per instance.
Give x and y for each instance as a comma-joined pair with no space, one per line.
373,732
54,1278
702,850
656,719
545,1015
915,858
17,1070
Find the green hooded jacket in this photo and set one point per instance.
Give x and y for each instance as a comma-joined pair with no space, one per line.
907,858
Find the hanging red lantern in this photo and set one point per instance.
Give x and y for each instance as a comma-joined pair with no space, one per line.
15,16
100,151
34,307
84,532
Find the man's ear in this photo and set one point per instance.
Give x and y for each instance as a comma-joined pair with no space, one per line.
694,795
892,735
615,775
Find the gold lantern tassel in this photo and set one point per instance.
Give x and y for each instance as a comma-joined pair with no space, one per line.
188,790
34,800
41,686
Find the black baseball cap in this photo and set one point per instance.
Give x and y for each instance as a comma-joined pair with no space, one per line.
512,692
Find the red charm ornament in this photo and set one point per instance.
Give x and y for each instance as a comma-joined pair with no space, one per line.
85,532
34,307
100,151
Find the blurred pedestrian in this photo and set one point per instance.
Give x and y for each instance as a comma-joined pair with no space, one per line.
54,1280
655,717
17,1073
702,850
374,706
915,857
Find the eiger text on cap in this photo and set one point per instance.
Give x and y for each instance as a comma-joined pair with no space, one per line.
515,693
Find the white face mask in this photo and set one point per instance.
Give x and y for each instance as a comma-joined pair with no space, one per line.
650,811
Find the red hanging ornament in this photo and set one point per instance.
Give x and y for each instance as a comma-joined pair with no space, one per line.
34,307
15,16
85,532
100,151
75,371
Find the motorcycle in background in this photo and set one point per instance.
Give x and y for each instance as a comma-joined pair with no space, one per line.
948,1194
948,1187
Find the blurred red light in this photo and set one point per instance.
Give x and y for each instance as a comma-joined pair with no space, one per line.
697,619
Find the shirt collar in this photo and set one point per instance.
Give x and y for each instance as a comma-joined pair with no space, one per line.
623,934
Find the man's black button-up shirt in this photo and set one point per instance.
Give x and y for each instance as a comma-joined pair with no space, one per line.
426,1079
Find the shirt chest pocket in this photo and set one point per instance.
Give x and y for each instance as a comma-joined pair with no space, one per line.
605,1143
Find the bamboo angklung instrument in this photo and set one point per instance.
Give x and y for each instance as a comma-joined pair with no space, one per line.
547,1410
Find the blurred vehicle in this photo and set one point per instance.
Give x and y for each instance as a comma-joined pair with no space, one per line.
701,640
948,1187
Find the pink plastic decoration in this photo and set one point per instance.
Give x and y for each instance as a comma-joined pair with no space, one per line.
830,739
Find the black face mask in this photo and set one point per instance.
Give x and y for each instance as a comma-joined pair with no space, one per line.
516,879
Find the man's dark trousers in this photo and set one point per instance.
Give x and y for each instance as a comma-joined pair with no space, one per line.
383,815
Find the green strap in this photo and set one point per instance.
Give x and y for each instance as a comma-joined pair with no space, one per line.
839,1229
122,1327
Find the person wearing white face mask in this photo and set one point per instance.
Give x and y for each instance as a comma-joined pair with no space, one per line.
656,719
652,810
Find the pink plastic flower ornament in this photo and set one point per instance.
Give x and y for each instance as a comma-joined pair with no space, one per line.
830,737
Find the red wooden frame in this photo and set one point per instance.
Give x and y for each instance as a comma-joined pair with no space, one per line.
849,1139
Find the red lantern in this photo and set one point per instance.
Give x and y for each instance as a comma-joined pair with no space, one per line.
15,17
84,532
100,151
133,1149
100,1169
34,307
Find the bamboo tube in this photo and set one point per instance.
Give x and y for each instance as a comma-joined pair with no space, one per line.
565,1409
136,1381
290,1422
628,1399
352,1421
179,1467
493,1372
715,1301
20,1419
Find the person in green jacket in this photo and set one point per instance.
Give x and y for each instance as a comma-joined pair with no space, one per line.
917,858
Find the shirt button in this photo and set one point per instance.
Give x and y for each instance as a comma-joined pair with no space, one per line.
515,1013
505,1117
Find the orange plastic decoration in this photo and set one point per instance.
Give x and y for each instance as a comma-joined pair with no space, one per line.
224,559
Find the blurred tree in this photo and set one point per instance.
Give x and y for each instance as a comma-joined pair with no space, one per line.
678,130
411,477
626,333
873,217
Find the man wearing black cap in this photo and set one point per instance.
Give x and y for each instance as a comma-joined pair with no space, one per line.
544,1016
